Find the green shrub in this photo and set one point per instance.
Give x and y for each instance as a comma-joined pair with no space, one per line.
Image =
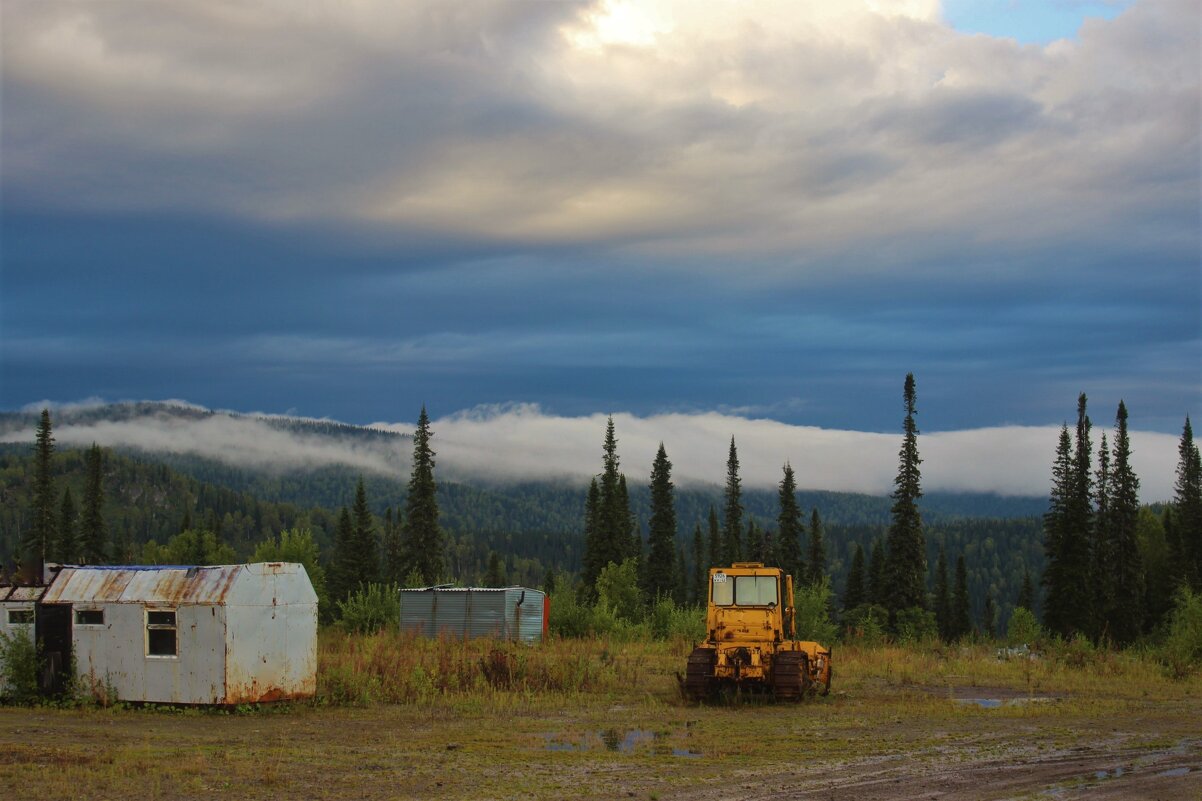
667,620
813,609
1182,649
19,667
569,617
1023,628
618,589
371,608
866,624
915,624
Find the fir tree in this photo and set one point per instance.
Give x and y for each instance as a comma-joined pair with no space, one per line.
186,523
1187,508
39,539
853,593
817,561
93,532
1125,613
366,545
680,586
789,527
425,547
1069,604
699,571
943,599
768,547
1056,538
392,550
661,568
67,546
961,609
717,547
906,564
626,536
1101,572
733,522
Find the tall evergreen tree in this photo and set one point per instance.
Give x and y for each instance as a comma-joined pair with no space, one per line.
717,547
1101,558
768,547
495,577
681,578
943,598
1125,613
732,529
425,546
754,548
661,567
366,544
816,564
1187,508
392,550
626,536
1026,593
961,607
39,539
878,587
698,595
989,618
340,580
67,546
1069,605
854,594
906,562
93,532
789,527
591,562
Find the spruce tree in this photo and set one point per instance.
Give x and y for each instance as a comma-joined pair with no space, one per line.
943,599
614,530
93,532
627,538
67,547
768,547
1125,613
681,578
717,547
1058,541
366,544
789,527
1101,557
854,594
495,577
906,564
661,541
39,539
961,608
1187,508
392,550
733,523
698,595
817,561
1026,592
425,547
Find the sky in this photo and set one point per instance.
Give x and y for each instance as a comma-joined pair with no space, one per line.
764,211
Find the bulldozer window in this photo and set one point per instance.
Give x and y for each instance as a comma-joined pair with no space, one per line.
724,590
755,590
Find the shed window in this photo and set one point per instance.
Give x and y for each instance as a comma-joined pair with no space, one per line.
89,617
160,632
20,617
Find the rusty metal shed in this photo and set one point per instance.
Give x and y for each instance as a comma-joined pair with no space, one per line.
508,613
226,634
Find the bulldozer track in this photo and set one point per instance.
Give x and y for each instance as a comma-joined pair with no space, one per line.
791,676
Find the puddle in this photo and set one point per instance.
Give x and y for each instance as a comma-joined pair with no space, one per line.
1174,773
622,742
1113,773
994,703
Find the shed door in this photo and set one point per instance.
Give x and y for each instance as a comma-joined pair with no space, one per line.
54,634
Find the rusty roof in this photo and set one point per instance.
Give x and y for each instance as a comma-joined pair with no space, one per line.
26,594
175,584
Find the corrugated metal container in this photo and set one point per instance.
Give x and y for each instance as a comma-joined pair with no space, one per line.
509,613
226,634
17,615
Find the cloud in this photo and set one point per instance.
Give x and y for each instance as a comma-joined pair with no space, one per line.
764,129
520,442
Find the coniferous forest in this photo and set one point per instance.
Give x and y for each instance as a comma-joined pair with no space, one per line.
1089,560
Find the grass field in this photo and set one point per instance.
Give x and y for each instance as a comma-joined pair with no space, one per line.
404,718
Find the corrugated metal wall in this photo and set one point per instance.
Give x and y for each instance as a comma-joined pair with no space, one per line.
512,613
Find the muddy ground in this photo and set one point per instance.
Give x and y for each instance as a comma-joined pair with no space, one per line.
873,742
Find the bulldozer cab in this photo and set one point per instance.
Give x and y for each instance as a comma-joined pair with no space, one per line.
750,601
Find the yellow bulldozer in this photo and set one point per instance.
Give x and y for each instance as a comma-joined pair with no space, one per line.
750,642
